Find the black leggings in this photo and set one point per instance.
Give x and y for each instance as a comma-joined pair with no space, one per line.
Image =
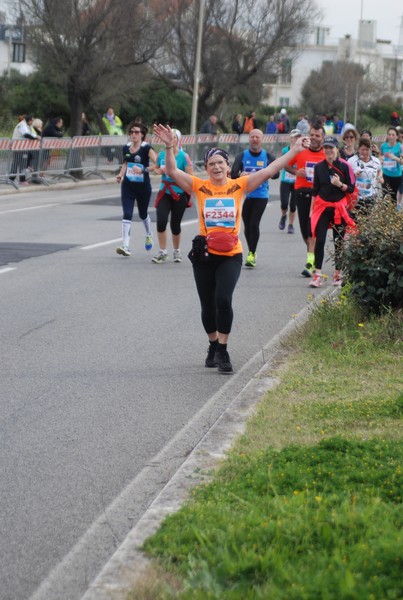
131,192
325,219
21,160
176,207
304,199
215,282
252,212
287,196
391,186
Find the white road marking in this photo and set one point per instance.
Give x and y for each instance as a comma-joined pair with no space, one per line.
14,210
7,269
100,244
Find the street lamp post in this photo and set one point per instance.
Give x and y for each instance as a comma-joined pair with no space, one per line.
197,69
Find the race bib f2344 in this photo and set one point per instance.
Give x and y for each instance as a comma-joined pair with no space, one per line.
220,212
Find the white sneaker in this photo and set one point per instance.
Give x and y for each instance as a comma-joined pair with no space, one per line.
161,257
177,256
123,250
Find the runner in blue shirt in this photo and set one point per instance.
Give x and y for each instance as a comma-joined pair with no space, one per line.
391,151
249,161
171,200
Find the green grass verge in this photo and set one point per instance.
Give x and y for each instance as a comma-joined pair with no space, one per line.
309,502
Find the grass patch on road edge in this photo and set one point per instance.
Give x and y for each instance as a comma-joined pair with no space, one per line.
308,502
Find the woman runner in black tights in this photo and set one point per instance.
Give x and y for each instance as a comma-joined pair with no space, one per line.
219,206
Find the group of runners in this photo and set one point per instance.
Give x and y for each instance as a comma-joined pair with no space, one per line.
316,181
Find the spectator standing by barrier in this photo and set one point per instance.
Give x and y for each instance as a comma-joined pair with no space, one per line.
209,126
331,183
250,122
37,126
54,128
284,125
303,168
171,200
338,124
287,190
216,271
391,151
22,159
135,184
254,159
85,126
236,125
113,126
271,125
85,130
303,125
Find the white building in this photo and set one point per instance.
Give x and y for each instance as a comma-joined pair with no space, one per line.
382,60
14,53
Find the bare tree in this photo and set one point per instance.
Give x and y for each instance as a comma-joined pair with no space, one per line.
243,42
337,87
93,47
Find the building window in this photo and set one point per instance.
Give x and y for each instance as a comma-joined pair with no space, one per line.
18,53
284,101
285,73
320,35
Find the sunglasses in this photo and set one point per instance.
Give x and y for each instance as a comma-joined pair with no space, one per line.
135,131
351,137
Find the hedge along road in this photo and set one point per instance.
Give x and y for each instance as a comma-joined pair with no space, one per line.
102,372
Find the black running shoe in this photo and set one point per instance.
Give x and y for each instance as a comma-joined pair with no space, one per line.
224,362
307,271
211,356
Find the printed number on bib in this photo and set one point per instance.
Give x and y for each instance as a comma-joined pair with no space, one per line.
133,175
309,170
220,212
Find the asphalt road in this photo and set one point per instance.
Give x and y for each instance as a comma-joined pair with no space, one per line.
102,369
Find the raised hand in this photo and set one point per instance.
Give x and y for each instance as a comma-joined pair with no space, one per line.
165,134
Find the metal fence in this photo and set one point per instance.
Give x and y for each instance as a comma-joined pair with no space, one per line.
53,159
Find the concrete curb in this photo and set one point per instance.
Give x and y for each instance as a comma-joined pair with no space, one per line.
128,563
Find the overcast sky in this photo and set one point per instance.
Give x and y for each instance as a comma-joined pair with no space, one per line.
342,16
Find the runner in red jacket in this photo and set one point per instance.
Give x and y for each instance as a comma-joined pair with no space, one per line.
304,171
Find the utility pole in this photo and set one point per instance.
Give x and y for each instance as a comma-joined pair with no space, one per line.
345,102
10,49
357,87
196,80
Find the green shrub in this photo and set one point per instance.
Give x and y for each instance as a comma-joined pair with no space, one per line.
373,258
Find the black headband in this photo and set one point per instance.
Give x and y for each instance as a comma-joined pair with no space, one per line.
213,151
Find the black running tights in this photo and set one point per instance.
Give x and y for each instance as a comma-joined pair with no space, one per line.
325,220
252,212
215,282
